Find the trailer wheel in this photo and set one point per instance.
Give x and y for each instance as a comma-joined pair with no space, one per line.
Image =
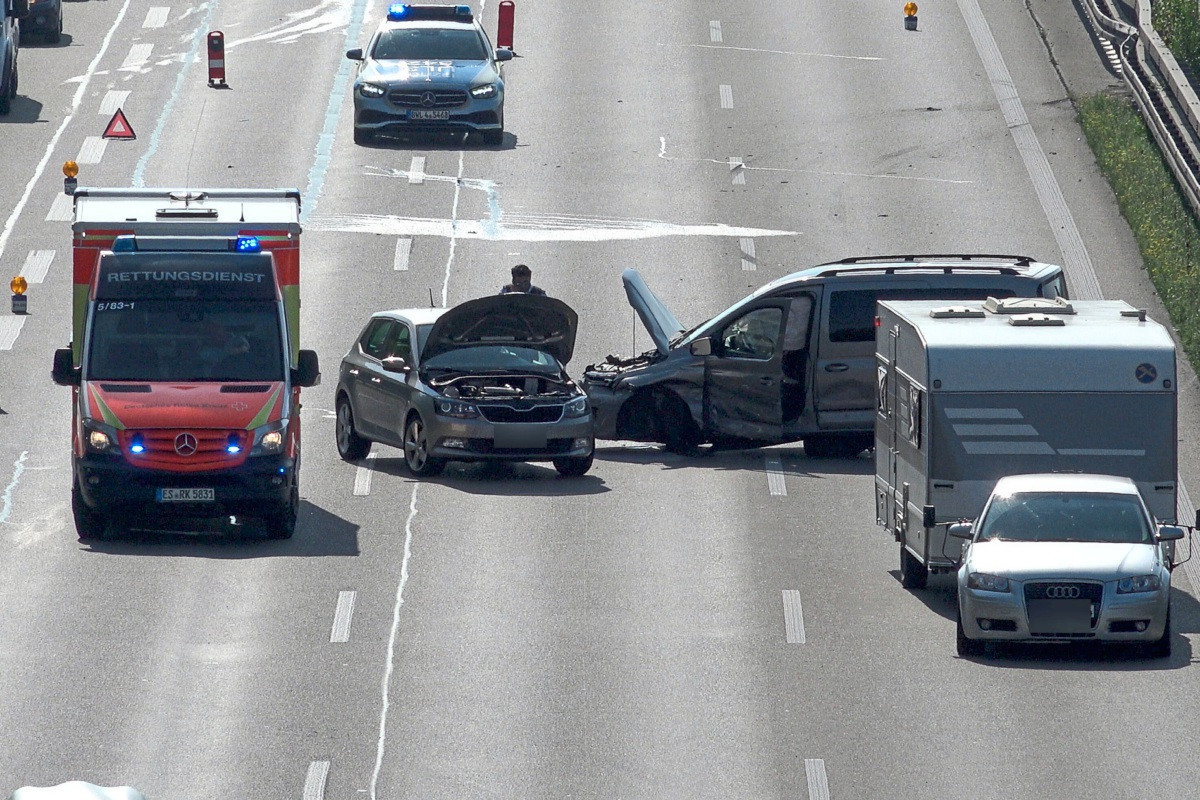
965,646
89,525
913,574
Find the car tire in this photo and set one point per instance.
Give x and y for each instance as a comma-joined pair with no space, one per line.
89,525
351,446
416,450
837,445
913,574
282,523
573,467
965,646
676,427
363,136
55,36
7,91
1160,647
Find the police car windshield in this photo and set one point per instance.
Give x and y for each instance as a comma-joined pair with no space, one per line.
429,44
495,358
1066,517
185,340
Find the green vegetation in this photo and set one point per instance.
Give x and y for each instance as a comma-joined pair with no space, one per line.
1161,219
1178,22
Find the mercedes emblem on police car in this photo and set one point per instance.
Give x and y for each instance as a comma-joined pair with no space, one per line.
185,444
428,99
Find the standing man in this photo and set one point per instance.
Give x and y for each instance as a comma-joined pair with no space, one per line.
522,282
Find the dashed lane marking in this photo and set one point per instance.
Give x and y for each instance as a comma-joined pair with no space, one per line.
749,259
726,96
156,17
112,101
793,617
362,476
714,30
775,480
737,168
62,209
314,781
10,328
403,251
416,170
818,782
139,54
92,150
342,617
36,265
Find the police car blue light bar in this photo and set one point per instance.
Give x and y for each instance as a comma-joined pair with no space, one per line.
402,11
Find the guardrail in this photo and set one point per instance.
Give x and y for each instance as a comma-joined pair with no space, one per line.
1160,88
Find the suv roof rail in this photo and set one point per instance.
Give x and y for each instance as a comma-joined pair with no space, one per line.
1021,261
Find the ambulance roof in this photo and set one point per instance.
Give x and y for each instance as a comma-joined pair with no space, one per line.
276,208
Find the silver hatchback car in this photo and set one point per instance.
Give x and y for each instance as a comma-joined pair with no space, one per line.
429,68
1065,558
483,381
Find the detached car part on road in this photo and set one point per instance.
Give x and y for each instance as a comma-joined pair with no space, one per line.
793,361
1065,558
483,381
429,69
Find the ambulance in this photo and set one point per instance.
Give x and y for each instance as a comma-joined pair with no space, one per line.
184,360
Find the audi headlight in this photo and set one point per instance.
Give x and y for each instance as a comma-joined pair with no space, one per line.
1140,583
577,407
269,438
487,90
988,583
371,90
455,408
100,438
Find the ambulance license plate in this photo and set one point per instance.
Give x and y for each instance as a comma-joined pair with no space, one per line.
190,494
421,114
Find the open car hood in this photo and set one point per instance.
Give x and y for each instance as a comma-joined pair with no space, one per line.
660,322
543,323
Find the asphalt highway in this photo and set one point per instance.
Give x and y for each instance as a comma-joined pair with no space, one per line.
723,626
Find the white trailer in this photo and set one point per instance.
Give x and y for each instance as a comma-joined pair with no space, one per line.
970,391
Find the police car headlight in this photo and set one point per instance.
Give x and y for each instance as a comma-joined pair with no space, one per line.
1140,583
455,408
100,438
268,439
577,407
371,90
988,583
487,90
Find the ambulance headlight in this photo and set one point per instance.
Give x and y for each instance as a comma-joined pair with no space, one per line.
269,438
371,90
98,437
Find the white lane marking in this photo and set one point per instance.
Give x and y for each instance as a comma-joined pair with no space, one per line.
92,150
738,169
328,15
139,54
62,209
793,617
381,742
156,17
714,30
774,52
36,265
775,481
749,259
6,501
314,781
80,93
726,96
403,251
10,329
818,782
342,616
113,100
493,202
416,170
362,476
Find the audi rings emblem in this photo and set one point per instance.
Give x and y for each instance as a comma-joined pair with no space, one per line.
428,99
185,444
1062,592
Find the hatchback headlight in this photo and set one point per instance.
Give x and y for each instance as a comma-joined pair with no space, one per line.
269,438
577,407
1140,583
371,90
455,408
480,92
988,583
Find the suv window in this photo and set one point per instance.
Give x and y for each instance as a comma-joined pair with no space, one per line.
852,311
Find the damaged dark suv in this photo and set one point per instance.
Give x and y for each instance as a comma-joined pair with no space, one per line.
794,361
483,381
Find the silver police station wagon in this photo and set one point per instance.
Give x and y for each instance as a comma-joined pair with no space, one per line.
429,68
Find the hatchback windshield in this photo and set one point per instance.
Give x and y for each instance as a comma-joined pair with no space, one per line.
194,340
1066,517
429,44
503,358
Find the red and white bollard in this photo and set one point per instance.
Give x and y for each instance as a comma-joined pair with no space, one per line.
216,58
504,27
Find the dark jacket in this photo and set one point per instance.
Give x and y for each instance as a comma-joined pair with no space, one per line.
508,288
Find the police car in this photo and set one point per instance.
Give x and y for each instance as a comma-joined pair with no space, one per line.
429,68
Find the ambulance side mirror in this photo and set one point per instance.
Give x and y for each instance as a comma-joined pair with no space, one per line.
308,373
64,372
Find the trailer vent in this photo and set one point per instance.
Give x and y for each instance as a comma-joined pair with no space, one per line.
1028,305
1140,313
1036,320
956,312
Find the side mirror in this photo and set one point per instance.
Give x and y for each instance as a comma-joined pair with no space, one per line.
702,347
355,54
63,372
308,373
395,364
503,54
20,9
928,517
1169,533
961,530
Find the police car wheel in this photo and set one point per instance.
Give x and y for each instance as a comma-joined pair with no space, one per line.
363,136
493,138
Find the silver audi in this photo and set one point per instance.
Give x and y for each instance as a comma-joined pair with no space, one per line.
1065,558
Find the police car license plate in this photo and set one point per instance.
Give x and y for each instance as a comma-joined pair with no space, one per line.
420,114
190,494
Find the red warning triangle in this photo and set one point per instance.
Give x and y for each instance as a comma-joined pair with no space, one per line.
119,127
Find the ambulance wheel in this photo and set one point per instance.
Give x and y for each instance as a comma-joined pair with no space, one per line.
89,525
913,574
416,450
351,446
965,646
363,136
282,524
573,467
